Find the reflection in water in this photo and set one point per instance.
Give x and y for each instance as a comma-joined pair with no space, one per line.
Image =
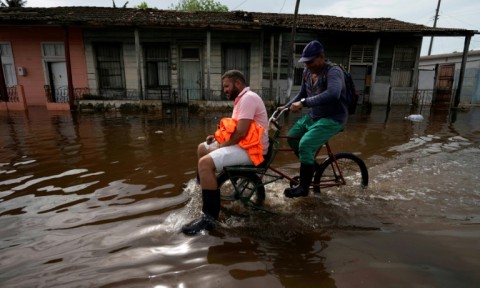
247,258
98,200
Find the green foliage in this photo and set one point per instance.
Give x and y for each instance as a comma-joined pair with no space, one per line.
143,6
199,5
95,108
129,108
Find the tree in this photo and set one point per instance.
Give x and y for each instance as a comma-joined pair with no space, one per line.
143,6
124,5
199,5
13,3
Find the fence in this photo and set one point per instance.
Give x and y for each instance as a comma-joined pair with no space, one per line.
57,95
14,100
12,94
418,97
166,95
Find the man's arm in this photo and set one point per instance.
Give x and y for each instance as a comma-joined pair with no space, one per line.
301,94
240,132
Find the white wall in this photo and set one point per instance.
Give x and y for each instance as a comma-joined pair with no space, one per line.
471,80
426,79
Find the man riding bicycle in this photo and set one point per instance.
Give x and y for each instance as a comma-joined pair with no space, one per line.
323,90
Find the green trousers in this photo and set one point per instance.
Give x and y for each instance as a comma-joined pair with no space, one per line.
310,135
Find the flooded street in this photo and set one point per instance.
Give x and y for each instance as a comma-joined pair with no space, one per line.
98,201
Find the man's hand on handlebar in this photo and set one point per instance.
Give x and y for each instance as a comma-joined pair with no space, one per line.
296,106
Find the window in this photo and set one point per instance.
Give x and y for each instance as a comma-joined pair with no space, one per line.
109,66
157,66
237,57
190,53
403,66
299,49
299,67
7,64
298,76
362,55
404,58
53,50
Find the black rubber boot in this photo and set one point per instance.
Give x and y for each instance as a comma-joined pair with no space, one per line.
306,175
211,210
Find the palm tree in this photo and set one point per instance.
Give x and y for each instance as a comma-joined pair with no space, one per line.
13,3
124,5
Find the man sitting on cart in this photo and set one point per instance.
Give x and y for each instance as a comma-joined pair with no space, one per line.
248,110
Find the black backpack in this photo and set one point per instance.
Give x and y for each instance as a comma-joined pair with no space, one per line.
352,95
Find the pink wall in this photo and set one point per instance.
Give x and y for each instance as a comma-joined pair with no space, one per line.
27,52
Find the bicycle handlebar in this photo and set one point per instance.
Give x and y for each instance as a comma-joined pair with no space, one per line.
274,118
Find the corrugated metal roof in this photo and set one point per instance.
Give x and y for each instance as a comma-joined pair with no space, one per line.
117,17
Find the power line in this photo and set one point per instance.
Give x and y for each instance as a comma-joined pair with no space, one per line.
239,5
460,13
283,5
476,26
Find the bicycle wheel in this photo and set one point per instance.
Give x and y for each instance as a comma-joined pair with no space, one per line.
244,186
354,173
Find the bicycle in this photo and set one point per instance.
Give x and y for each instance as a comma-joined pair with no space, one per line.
246,182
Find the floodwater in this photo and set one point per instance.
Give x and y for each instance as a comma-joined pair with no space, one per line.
98,201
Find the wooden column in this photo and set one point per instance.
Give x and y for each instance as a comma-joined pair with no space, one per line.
71,92
138,54
462,71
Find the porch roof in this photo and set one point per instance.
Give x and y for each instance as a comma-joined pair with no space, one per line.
122,17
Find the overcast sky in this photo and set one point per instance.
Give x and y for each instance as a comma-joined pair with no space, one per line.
463,14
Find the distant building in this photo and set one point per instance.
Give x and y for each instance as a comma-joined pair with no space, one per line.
441,73
58,56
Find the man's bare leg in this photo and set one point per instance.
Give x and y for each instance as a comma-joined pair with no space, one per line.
201,150
206,170
210,198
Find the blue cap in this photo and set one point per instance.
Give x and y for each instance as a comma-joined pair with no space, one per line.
311,51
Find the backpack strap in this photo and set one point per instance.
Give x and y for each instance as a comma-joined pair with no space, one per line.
325,74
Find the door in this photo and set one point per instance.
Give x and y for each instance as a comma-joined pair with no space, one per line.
190,75
359,73
58,82
237,56
7,65
157,72
443,91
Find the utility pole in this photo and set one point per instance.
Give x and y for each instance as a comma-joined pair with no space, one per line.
292,51
434,26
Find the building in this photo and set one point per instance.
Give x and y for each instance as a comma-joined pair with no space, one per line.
442,74
59,56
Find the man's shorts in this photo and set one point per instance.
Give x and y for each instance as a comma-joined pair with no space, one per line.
228,156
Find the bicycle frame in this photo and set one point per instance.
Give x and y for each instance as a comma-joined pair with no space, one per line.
337,180
263,170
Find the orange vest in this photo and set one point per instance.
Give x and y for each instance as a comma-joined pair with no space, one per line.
252,142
